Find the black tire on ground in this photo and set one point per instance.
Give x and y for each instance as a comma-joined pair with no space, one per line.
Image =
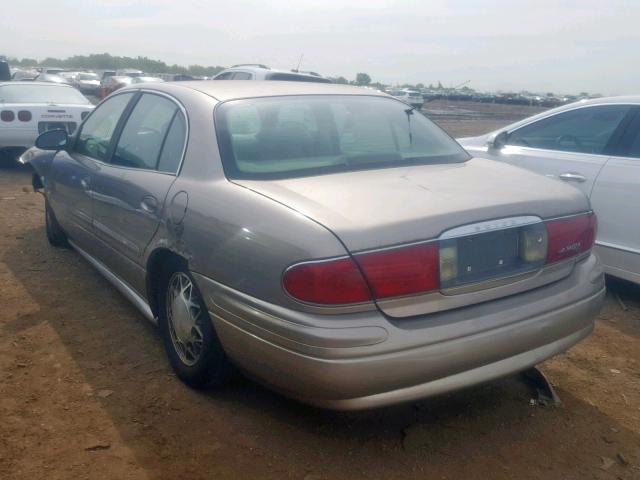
55,234
212,368
9,157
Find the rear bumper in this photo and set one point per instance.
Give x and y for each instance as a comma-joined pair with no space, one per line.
371,361
18,137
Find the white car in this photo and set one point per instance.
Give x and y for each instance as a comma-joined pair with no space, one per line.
29,108
257,71
413,98
595,146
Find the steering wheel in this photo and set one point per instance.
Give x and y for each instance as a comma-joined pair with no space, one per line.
569,138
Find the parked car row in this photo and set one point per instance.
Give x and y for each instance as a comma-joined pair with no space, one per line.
88,82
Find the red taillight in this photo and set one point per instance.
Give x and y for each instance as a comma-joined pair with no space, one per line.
570,236
415,269
332,282
24,115
7,116
402,271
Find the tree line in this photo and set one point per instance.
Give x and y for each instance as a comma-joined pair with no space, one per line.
104,61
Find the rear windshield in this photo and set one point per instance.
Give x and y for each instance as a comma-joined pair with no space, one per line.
41,94
284,137
292,77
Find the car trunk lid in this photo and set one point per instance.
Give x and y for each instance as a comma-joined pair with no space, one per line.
369,210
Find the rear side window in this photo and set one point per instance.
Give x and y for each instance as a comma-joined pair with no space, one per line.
242,76
584,130
292,77
96,133
629,144
224,76
143,135
173,145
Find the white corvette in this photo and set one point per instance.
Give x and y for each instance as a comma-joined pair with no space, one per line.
29,108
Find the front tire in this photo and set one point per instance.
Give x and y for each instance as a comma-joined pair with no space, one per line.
191,343
55,234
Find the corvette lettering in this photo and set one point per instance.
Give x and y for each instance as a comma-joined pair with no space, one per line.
46,115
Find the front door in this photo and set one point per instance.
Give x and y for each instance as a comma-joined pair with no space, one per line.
71,190
616,201
572,146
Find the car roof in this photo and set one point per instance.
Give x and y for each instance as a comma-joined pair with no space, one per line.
48,84
630,99
620,100
231,89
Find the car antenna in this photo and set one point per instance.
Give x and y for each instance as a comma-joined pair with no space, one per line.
299,62
409,112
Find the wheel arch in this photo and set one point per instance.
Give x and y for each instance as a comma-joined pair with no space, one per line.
156,263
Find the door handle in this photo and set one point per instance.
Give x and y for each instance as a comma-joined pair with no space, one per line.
85,182
149,204
572,177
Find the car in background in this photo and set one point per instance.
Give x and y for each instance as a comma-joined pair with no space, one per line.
104,74
178,77
5,71
87,82
129,72
335,244
112,83
411,97
593,145
28,109
53,70
145,79
22,75
252,71
52,78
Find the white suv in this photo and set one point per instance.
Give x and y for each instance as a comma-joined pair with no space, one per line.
413,98
256,71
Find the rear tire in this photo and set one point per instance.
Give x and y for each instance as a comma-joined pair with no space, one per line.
55,234
191,343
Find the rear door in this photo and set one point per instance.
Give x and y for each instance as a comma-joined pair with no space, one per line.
129,191
616,201
572,145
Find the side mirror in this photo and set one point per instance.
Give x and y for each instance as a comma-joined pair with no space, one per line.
499,141
53,140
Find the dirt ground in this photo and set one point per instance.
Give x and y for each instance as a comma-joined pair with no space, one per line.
86,391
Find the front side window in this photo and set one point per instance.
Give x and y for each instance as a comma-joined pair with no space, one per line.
282,137
143,135
224,76
96,133
583,130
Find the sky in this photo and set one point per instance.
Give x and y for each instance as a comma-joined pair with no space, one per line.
565,46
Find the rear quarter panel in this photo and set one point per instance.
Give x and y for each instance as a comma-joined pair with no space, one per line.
229,233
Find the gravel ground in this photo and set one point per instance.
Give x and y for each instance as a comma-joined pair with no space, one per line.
86,392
